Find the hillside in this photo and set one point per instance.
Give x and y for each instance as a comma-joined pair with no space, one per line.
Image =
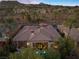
14,14
28,13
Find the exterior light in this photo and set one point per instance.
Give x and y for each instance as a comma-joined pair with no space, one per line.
28,43
37,52
44,52
56,46
78,29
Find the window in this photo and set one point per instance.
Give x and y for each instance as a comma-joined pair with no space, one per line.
40,45
0,35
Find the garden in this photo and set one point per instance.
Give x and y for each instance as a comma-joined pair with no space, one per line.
64,50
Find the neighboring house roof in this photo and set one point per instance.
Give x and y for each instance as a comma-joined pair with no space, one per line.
37,33
2,40
73,33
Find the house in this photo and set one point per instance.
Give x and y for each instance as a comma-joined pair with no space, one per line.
41,36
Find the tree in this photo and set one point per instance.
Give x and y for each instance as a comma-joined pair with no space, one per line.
56,14
10,23
66,46
70,22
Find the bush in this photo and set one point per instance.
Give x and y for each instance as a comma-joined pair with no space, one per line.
66,46
26,53
3,52
53,54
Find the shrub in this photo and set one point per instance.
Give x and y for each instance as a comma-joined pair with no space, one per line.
66,46
25,53
53,54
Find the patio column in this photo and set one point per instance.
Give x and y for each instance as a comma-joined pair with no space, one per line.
31,44
17,44
49,44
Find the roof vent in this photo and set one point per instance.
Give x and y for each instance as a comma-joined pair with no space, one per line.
32,31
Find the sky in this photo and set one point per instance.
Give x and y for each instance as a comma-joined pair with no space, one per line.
52,2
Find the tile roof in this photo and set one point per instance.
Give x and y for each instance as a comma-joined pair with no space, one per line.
37,33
